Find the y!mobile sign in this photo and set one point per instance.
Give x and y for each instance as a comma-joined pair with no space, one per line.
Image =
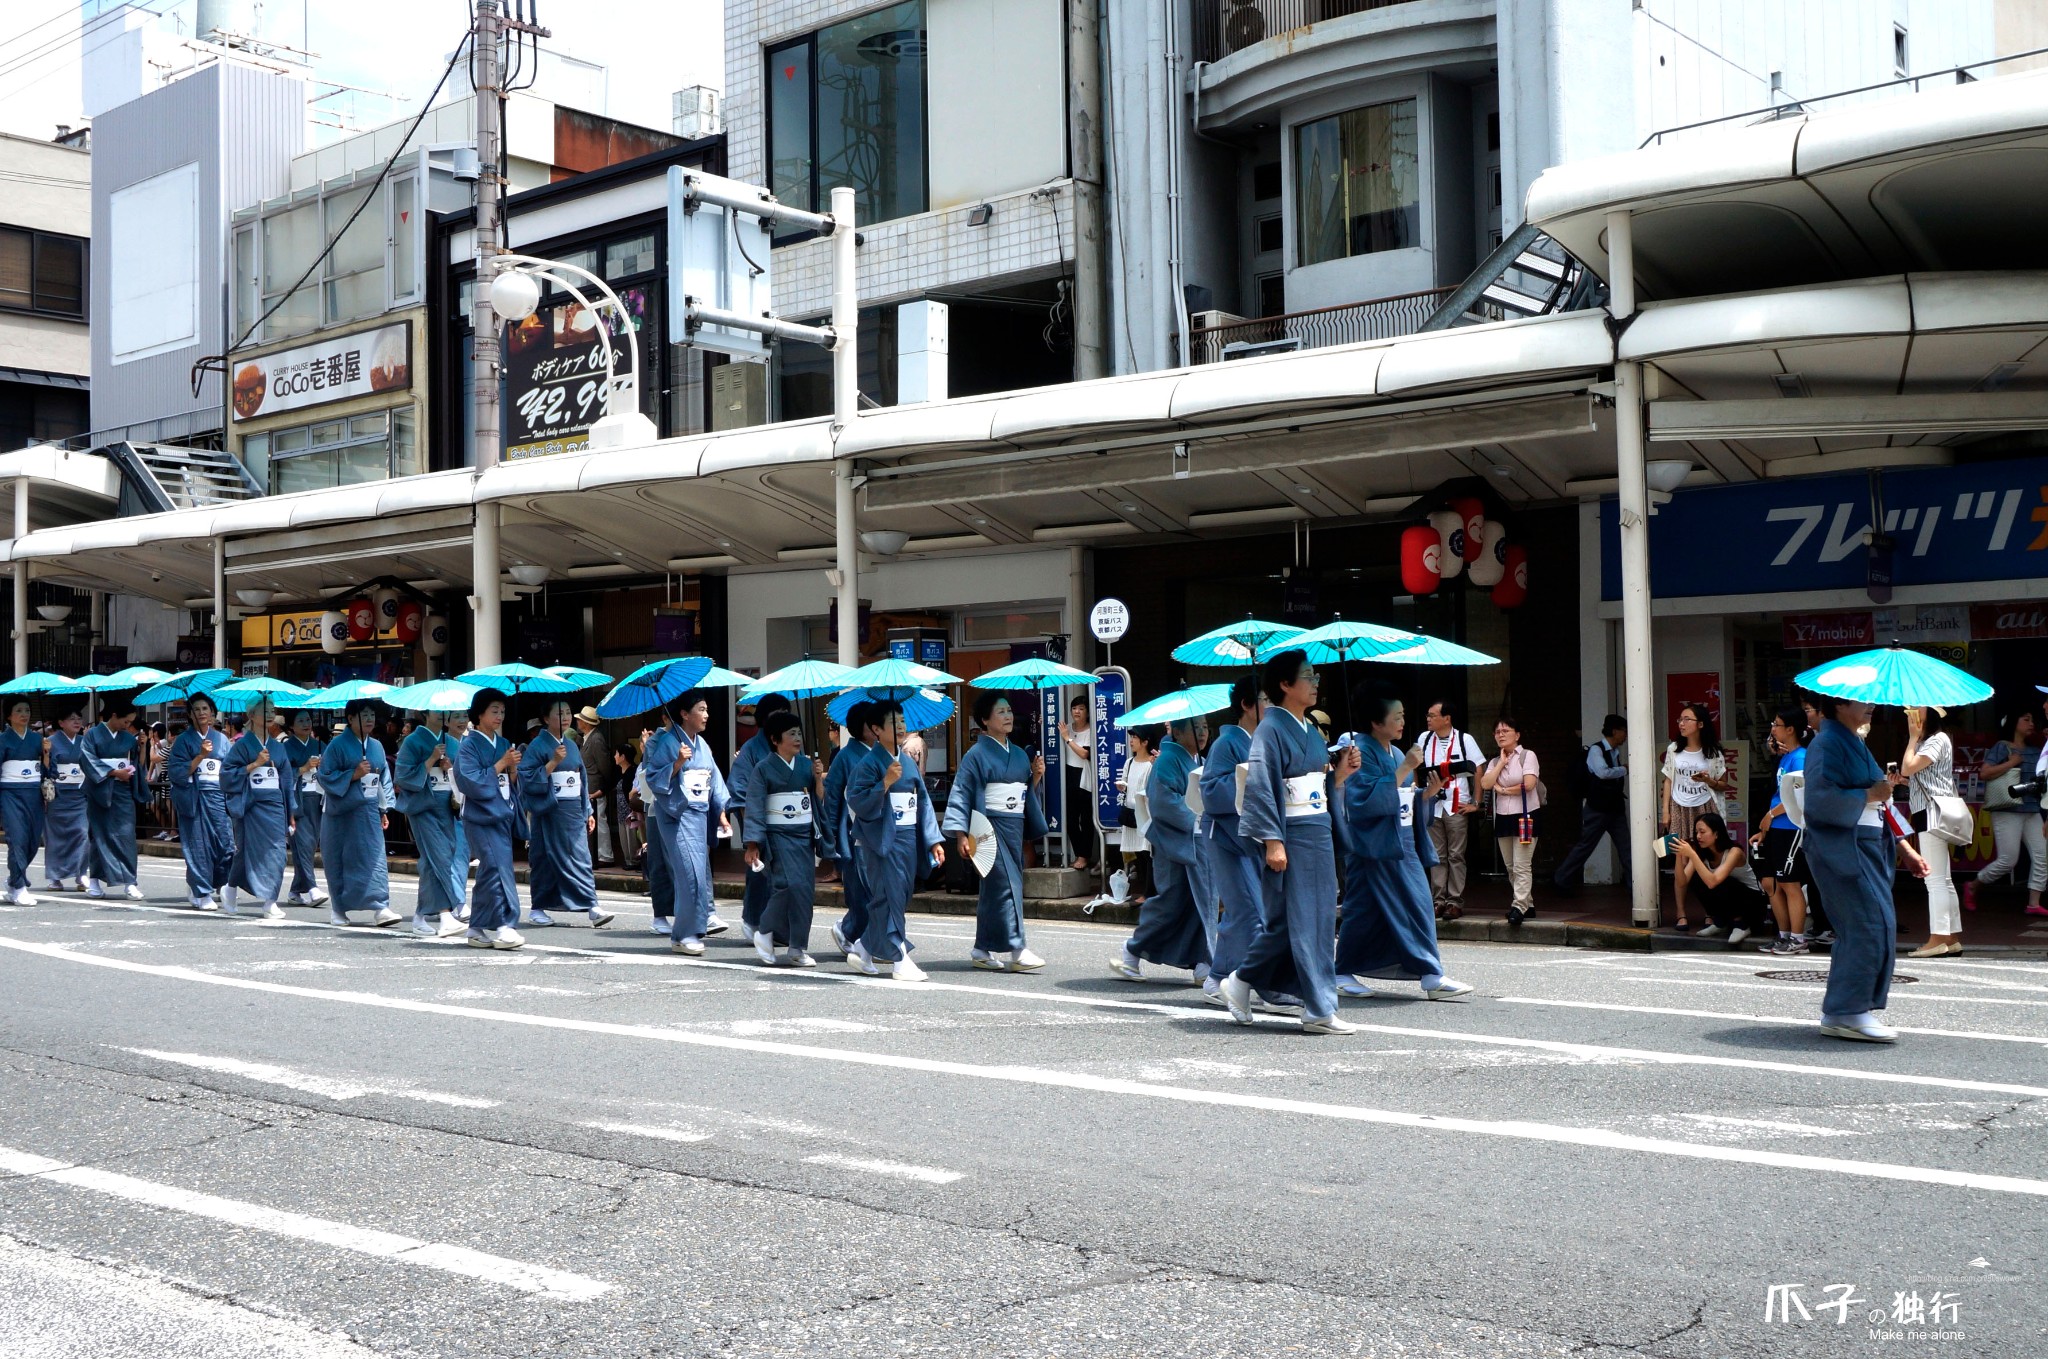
1983,522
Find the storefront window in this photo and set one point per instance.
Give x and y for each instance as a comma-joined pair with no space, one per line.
336,452
1356,187
846,105
1032,625
623,259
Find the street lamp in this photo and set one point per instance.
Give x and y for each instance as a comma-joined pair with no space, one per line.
515,294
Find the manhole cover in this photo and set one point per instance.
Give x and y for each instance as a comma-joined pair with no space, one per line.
1821,978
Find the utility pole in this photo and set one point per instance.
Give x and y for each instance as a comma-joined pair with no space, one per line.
845,410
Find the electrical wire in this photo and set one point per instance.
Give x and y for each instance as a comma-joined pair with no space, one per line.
55,46
218,362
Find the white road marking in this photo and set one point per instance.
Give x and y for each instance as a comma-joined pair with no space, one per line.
894,1169
327,1087
648,1130
1897,992
1919,966
1070,1080
1770,1125
527,1278
1758,1019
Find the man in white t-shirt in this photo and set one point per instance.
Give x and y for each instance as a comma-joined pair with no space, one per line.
1454,755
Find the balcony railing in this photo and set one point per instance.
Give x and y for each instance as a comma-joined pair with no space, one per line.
1381,318
1226,26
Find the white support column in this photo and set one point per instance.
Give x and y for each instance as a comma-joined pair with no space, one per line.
220,603
845,410
486,598
20,579
1638,672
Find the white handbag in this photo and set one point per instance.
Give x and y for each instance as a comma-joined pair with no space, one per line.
1950,818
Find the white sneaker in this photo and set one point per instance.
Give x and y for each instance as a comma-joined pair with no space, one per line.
1863,1028
1329,1025
336,916
1707,932
661,927
796,957
690,945
299,899
839,941
714,926
201,901
860,960
986,961
228,900
600,917
537,918
1353,989
1237,998
318,895
1125,966
272,911
1736,936
133,891
449,925
476,938
386,918
95,891
1447,989
764,946
1024,960
426,926
905,970
506,937
20,897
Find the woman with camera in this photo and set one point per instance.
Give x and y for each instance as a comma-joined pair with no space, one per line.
2018,754
1696,778
1728,886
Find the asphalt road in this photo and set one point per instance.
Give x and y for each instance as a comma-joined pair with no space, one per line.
222,1137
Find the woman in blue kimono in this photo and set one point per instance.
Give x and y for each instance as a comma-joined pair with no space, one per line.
1286,817
995,779
555,790
782,790
754,891
67,848
898,837
1389,925
208,835
262,798
690,802
1170,929
355,781
115,789
303,747
1850,857
483,775
837,833
425,776
24,761
1234,865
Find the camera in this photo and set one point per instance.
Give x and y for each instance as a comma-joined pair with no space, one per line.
1460,768
2032,788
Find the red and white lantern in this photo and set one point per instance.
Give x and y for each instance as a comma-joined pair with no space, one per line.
1450,533
411,615
1514,582
1491,563
1421,559
1472,513
362,620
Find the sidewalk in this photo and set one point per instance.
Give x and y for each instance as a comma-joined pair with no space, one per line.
1598,917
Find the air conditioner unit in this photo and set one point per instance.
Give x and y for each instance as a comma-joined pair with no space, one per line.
1245,349
1243,23
739,395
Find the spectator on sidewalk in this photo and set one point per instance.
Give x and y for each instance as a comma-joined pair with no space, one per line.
1728,886
1695,776
1603,812
1929,766
1455,756
1135,816
604,783
1777,852
2012,827
1077,748
1514,777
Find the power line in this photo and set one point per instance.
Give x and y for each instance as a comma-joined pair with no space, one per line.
55,46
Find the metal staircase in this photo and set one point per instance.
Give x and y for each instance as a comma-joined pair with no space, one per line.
1528,274
160,477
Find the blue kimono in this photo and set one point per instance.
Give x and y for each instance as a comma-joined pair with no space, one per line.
426,794
352,825
995,780
487,821
782,825
1389,925
111,803
754,893
1234,864
1848,851
837,834
557,809
306,786
21,802
1170,929
1286,798
262,799
687,806
655,761
67,849
895,831
201,802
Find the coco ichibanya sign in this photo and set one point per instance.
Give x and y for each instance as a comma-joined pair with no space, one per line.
361,363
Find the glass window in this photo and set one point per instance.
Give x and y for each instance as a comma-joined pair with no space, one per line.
329,433
363,462
289,440
789,124
248,304
17,269
847,106
60,275
308,472
999,627
1355,183
405,448
291,242
256,457
625,258
355,266
405,239
368,426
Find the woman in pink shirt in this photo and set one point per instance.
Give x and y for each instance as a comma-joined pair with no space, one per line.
1511,777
